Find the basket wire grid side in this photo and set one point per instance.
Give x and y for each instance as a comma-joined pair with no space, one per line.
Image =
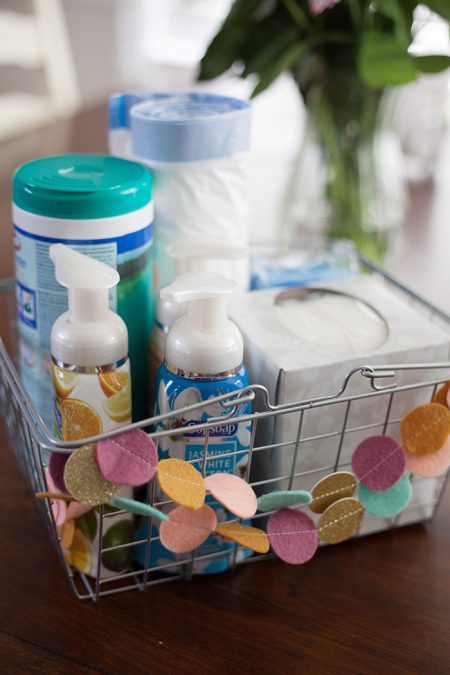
32,443
142,578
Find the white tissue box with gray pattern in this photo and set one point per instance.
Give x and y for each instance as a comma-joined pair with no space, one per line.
301,344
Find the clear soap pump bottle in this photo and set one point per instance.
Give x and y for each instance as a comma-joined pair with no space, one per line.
203,359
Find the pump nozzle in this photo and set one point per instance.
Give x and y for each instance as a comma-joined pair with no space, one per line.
104,340
198,286
87,281
192,254
75,270
205,341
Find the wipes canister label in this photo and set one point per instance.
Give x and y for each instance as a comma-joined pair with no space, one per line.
40,299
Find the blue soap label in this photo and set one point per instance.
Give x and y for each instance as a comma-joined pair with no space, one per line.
227,446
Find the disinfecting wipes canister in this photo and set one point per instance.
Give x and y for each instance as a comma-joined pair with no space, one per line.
100,206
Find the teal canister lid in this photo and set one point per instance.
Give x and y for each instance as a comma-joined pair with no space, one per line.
81,186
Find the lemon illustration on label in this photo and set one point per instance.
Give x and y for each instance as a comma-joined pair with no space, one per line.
118,407
79,420
79,554
65,381
113,381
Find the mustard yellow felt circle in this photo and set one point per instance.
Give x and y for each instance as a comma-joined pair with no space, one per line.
340,520
250,537
441,394
425,429
330,489
181,482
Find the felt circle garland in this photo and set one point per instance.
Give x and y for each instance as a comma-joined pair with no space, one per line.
128,459
83,479
378,462
233,492
181,482
56,466
425,429
92,475
292,535
340,520
283,498
186,528
442,394
330,489
429,466
244,535
389,503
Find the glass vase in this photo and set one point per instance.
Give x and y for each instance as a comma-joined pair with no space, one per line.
349,180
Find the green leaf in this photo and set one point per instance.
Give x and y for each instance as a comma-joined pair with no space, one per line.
383,60
432,64
286,61
225,48
400,13
274,45
222,52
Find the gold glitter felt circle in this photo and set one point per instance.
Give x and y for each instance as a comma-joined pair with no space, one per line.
425,429
83,479
331,488
340,521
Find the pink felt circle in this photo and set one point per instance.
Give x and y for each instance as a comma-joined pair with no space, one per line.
58,506
233,492
429,465
76,509
56,467
379,462
128,459
187,528
292,535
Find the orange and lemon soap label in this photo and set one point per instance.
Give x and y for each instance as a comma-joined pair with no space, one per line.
89,403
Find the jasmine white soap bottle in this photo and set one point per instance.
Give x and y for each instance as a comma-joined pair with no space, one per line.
203,359
91,376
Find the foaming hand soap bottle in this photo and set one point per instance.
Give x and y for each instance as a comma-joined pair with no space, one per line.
91,375
89,347
203,359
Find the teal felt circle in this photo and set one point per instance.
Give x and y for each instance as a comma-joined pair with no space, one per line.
282,499
388,503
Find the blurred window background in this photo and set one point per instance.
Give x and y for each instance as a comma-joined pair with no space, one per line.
58,56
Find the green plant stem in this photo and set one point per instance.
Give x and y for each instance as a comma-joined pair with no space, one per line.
298,15
355,11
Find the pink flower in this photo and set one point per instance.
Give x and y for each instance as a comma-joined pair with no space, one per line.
318,6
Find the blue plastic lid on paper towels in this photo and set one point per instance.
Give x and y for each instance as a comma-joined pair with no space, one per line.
189,127
119,106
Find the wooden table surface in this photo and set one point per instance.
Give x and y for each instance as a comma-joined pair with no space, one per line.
375,605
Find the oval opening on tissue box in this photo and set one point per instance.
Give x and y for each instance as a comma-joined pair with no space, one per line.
325,317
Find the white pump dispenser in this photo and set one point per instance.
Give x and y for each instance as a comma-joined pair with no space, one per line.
89,334
204,342
193,254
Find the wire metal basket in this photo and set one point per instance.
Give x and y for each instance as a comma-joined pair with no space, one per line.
32,443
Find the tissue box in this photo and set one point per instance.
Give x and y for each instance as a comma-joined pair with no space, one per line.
301,344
